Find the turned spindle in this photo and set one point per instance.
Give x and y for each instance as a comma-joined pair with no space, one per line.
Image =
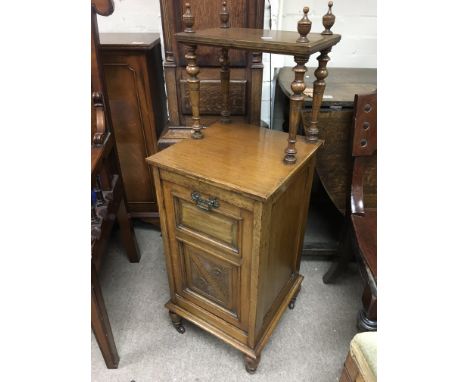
224,16
188,19
303,26
312,132
328,20
192,70
225,77
296,103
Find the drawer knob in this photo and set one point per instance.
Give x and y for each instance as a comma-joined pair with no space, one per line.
204,204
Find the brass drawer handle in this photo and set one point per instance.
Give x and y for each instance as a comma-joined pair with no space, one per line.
204,204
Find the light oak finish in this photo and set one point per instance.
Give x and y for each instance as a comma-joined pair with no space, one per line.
280,42
229,217
245,80
273,41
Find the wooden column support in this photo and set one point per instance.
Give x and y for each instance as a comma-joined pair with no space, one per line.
312,131
192,70
194,89
297,100
225,78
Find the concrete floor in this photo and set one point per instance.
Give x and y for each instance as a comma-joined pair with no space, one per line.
309,344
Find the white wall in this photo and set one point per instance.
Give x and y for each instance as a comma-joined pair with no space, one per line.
356,21
132,16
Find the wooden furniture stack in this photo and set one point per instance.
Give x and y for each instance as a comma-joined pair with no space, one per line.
233,200
108,202
361,219
245,76
135,86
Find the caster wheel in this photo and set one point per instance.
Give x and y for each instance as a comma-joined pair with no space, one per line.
180,329
292,304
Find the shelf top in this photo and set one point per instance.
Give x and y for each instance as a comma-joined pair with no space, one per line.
128,41
280,42
237,157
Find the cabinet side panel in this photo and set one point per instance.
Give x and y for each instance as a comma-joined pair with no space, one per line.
163,222
278,264
156,86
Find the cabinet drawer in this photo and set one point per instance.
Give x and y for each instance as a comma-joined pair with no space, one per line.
220,224
210,245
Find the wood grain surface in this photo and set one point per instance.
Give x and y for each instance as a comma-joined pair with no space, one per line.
237,158
280,42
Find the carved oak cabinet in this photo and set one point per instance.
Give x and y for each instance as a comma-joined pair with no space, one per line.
229,209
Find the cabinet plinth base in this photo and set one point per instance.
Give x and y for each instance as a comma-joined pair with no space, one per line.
251,355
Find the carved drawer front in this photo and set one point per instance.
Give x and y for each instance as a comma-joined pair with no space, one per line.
205,217
210,241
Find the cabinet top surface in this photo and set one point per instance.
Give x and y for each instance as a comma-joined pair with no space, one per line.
281,42
239,157
128,40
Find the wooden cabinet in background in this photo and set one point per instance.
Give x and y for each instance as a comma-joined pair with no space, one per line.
135,84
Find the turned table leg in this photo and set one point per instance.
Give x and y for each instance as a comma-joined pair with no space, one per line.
101,325
177,322
225,78
251,364
367,318
312,131
297,100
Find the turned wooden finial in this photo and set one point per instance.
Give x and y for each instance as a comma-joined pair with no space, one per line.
224,16
303,26
328,19
188,19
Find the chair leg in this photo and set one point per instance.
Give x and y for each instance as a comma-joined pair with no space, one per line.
127,234
367,318
344,256
101,325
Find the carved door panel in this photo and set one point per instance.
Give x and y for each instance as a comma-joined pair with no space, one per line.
210,251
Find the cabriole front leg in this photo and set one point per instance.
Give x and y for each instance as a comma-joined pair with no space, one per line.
296,103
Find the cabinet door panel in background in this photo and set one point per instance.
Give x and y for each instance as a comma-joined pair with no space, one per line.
133,70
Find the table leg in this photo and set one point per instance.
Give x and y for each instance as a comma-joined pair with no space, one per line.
312,132
296,103
101,325
127,234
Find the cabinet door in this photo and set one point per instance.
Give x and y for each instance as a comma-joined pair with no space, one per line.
210,250
134,129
